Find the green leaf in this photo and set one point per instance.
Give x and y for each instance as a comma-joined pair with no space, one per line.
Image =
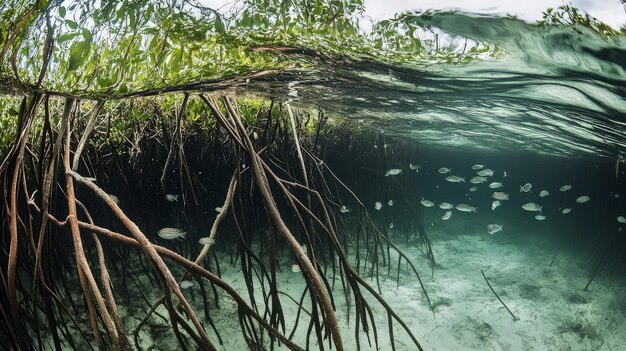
87,35
71,24
121,12
78,53
104,81
12,112
62,11
219,25
65,37
123,89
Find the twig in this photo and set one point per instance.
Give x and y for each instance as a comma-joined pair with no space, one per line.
556,254
87,133
499,299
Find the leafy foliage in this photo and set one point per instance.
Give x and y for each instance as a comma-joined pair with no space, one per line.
8,126
109,48
568,15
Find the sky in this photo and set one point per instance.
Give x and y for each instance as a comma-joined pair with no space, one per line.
609,11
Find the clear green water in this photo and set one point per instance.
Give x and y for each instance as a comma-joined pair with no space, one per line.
550,91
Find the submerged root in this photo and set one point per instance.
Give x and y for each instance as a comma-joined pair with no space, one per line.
297,210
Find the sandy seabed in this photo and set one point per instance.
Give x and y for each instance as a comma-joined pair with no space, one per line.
553,311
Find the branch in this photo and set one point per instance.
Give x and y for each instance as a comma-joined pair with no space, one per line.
499,299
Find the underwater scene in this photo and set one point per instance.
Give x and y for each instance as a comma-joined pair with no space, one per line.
312,175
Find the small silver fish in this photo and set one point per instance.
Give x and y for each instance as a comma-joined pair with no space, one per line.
444,170
494,228
446,215
445,206
583,199
427,203
495,204
498,195
172,233
393,172
206,241
540,217
390,202
478,180
544,193
171,197
455,179
186,284
378,205
531,206
485,173
525,188
344,209
218,209
565,188
621,219
465,208
295,268
415,168
504,175
477,167
495,185
391,225
473,189
566,210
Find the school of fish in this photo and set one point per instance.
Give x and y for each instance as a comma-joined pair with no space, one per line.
483,175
